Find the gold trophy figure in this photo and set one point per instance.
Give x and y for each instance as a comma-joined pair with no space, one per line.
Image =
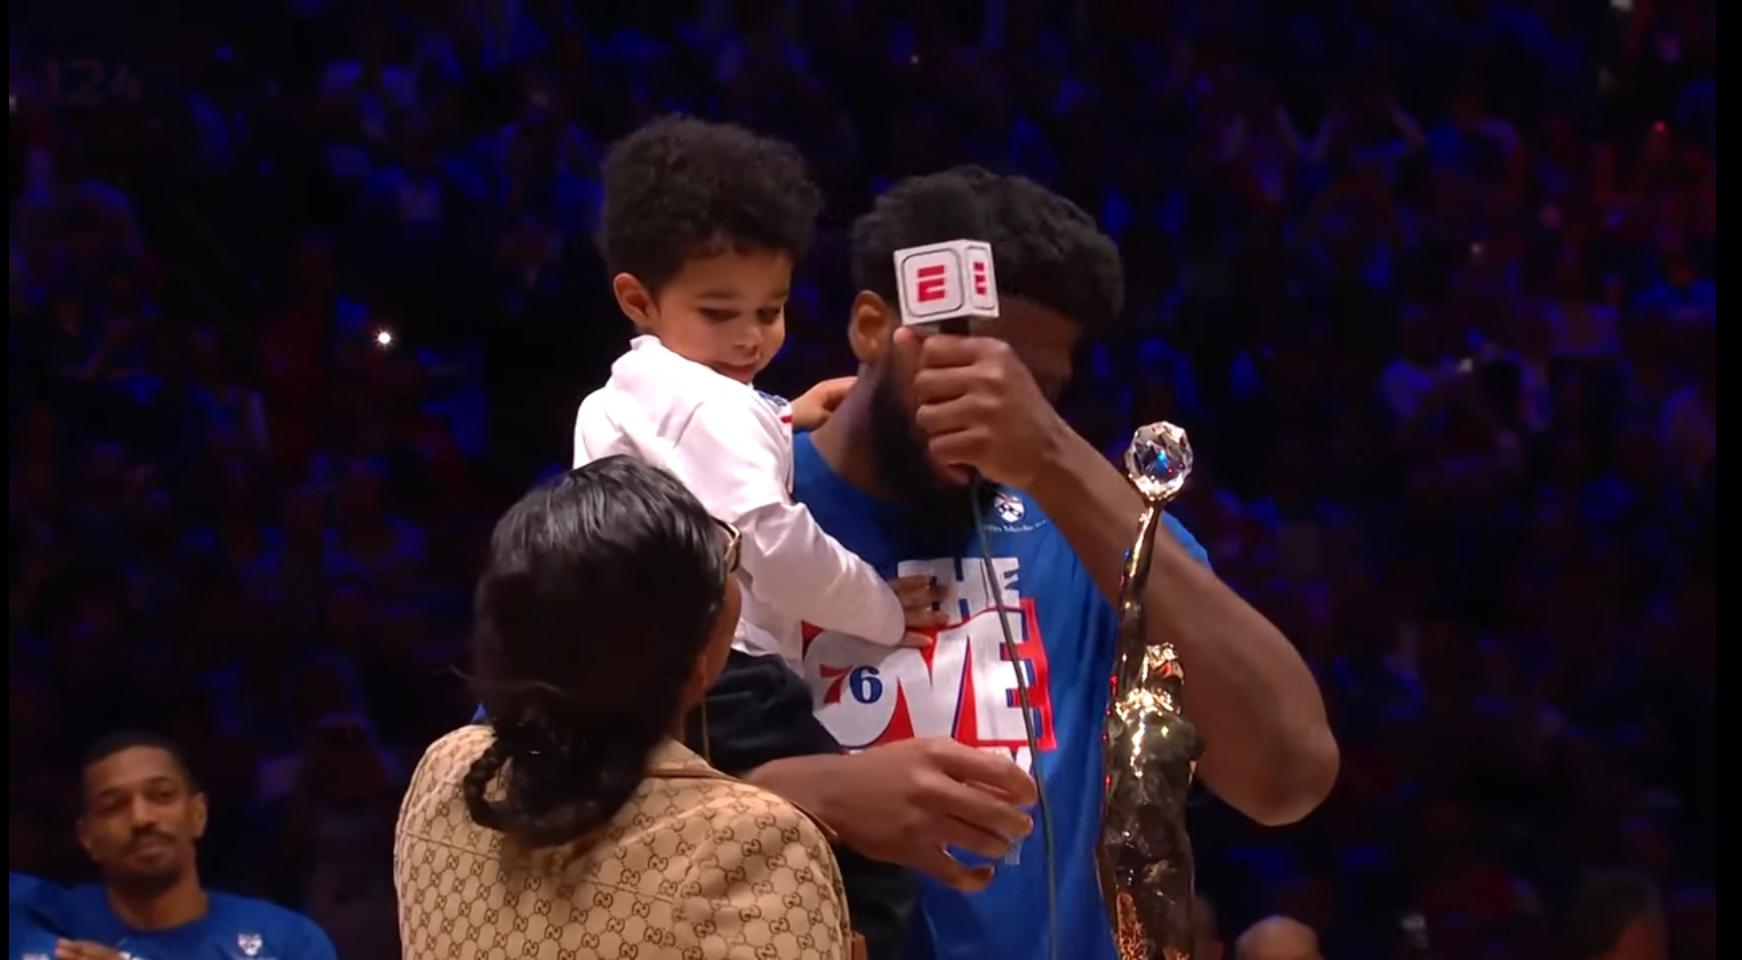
1151,749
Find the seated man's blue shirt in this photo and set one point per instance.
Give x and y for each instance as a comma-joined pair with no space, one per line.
233,928
33,923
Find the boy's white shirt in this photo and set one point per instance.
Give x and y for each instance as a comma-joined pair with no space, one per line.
732,446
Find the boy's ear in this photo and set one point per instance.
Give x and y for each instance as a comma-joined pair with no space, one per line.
634,299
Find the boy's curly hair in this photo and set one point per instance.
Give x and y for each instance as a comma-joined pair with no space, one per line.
680,188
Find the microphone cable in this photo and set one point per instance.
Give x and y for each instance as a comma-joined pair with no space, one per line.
996,597
958,326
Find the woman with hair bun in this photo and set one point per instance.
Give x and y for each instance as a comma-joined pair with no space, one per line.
575,823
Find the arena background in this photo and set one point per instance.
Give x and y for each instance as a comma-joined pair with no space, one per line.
1432,284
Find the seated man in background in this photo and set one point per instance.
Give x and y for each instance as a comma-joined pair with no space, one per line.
142,815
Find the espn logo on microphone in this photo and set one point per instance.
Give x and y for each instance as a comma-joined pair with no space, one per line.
946,281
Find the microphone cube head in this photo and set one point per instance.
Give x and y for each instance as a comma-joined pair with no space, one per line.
941,282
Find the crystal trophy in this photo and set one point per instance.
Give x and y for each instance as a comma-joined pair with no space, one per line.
1144,857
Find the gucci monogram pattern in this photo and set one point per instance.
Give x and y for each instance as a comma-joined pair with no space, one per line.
696,866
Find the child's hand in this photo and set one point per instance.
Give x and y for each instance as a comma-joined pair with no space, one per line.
813,409
920,597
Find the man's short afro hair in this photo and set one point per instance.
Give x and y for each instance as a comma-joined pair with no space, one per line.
116,741
1046,248
680,188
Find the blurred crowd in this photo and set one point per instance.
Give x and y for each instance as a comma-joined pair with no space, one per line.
1431,284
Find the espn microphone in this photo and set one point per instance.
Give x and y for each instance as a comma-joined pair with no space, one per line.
945,286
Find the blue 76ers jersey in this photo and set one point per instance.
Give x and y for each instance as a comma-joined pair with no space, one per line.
964,687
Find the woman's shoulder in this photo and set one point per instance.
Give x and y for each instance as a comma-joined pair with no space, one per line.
682,785
702,858
452,754
680,791
435,793
681,800
751,868
688,819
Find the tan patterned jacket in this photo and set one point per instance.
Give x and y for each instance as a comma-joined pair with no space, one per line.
696,866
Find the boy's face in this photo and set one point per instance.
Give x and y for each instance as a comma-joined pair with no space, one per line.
726,311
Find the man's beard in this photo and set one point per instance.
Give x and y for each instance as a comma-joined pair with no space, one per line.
940,514
147,882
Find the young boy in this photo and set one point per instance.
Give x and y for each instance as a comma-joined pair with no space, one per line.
701,227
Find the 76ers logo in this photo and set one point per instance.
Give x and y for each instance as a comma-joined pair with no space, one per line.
963,686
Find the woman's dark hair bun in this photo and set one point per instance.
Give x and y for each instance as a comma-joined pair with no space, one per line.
599,591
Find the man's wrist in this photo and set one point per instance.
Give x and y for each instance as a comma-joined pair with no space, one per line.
1058,476
801,781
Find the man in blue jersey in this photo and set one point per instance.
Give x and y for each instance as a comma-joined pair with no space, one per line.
938,749
142,816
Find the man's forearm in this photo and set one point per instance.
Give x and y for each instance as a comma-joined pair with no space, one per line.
802,781
1269,751
908,802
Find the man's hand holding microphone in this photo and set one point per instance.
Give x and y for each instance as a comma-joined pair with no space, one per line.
978,403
